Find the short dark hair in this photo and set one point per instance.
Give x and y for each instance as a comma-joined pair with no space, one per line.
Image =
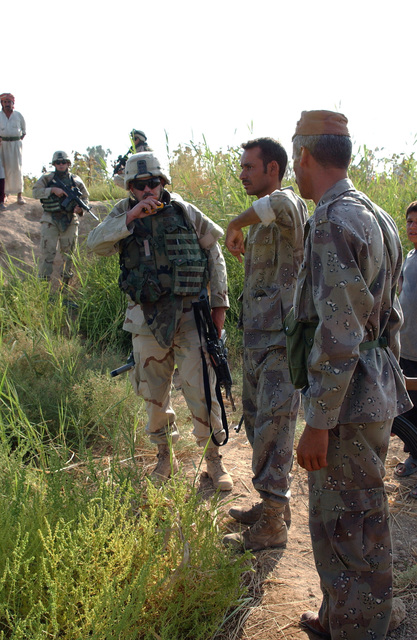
270,150
411,207
328,150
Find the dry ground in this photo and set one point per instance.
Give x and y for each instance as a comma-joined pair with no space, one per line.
284,583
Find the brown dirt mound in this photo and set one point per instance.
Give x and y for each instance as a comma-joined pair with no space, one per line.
20,231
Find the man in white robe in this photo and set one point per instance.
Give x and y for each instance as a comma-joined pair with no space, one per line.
12,132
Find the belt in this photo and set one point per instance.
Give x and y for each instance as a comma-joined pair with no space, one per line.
10,139
379,342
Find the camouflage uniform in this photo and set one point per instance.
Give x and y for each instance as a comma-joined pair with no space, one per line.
155,360
54,229
273,254
347,283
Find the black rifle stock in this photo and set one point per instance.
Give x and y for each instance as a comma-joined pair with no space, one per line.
73,193
215,346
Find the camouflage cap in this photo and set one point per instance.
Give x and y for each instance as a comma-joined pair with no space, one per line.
317,123
60,155
144,165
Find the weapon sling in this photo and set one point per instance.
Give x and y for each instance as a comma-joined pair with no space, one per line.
207,390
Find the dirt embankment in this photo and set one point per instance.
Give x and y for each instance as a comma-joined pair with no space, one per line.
20,230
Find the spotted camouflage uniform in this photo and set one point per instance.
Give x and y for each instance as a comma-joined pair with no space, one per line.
58,229
347,283
273,254
154,359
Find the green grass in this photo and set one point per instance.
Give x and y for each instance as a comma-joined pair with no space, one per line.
90,549
94,556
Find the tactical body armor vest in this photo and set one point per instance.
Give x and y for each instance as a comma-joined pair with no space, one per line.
52,204
162,258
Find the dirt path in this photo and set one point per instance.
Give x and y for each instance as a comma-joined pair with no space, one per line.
285,583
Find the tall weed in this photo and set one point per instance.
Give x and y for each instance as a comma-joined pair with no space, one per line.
110,561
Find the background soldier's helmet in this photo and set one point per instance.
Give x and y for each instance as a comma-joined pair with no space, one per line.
60,155
136,133
144,165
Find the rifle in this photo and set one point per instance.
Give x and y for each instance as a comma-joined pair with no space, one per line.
121,162
73,193
130,363
218,356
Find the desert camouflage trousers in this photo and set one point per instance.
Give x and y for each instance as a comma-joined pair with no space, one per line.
51,235
152,377
349,526
270,407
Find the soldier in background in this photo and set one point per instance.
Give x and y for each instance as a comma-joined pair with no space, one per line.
347,287
58,224
168,253
140,142
12,132
273,253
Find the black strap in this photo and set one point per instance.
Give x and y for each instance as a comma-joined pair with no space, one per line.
207,390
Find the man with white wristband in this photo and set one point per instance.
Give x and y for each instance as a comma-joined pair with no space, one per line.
273,251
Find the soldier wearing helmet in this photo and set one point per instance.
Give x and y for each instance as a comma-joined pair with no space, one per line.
139,143
168,253
59,222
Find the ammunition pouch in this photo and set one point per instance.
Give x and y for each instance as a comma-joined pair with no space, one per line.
162,257
141,285
62,217
300,339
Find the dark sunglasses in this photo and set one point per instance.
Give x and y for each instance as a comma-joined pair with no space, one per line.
61,161
140,185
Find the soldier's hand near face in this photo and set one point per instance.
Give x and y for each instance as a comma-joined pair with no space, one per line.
146,207
312,449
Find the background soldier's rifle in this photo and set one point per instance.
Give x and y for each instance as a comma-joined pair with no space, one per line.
121,162
73,194
218,356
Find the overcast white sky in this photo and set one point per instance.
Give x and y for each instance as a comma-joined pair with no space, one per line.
85,72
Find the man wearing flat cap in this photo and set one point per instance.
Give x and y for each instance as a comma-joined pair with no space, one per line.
12,132
346,287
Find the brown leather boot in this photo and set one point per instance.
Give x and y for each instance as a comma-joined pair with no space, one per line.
166,466
270,531
217,471
252,515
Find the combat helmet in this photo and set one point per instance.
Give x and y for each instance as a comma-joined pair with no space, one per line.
60,155
144,165
137,133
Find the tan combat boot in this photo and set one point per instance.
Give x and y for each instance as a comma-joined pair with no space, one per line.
165,467
269,531
217,471
252,515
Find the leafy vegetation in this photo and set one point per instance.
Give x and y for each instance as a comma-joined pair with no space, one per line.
89,548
